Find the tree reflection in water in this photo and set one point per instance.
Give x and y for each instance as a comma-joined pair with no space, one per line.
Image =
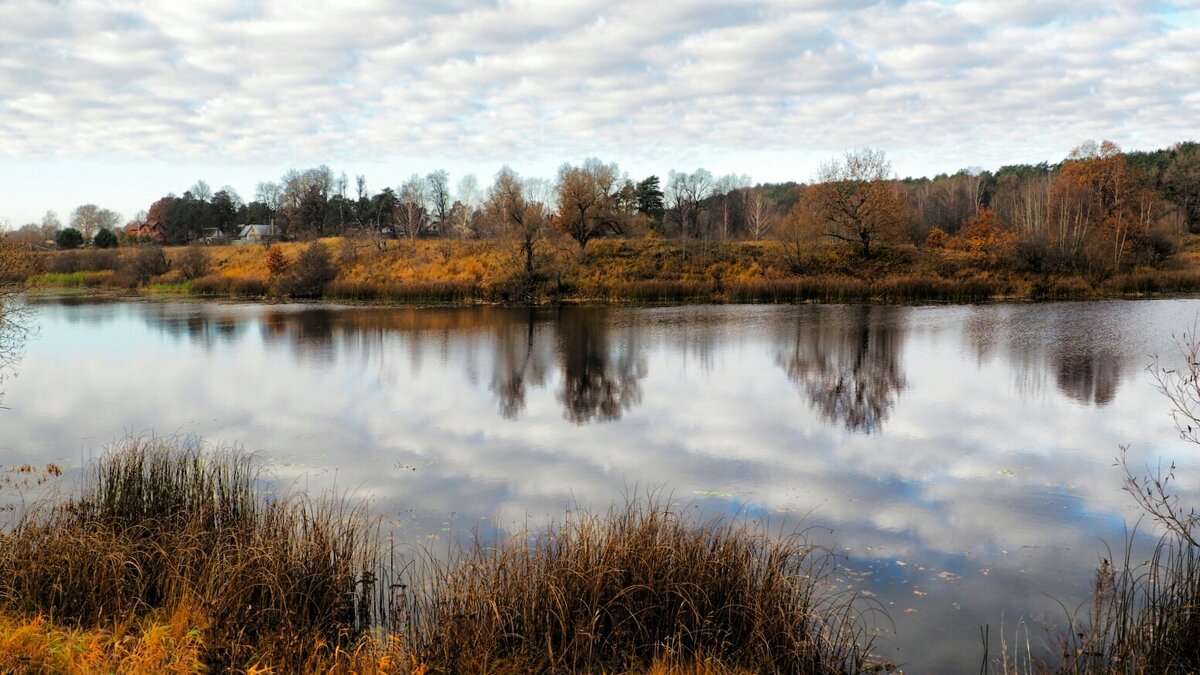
519,364
601,367
599,382
847,362
1079,351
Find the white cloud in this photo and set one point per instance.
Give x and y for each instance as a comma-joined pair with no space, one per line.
655,86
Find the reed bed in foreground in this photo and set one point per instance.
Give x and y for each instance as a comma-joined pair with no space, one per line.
171,555
604,593
160,525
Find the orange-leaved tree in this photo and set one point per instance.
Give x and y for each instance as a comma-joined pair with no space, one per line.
856,201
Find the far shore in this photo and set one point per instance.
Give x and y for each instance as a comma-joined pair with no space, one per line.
610,271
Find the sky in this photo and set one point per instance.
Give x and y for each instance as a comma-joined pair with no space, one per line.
120,103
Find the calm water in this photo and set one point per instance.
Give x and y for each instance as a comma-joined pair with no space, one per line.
961,457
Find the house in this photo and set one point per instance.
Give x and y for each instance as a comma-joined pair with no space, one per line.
258,234
214,237
148,230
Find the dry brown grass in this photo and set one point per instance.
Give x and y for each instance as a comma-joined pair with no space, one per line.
159,525
169,556
621,591
635,270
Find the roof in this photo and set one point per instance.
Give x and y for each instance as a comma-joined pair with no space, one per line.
257,231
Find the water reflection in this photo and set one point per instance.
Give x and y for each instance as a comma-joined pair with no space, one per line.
847,363
955,494
600,366
16,324
600,376
1081,350
520,363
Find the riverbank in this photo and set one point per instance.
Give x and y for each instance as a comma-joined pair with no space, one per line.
171,555
609,271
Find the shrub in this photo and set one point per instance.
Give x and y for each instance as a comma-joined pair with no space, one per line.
145,263
310,273
193,263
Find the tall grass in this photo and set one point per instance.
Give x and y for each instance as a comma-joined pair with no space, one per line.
1149,282
433,291
599,593
219,285
166,543
160,525
1146,616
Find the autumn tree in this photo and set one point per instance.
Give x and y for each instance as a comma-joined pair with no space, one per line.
1101,213
519,215
856,201
589,200
982,235
16,264
275,261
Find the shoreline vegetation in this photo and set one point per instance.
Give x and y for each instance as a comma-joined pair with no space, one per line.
650,270
171,556
1101,223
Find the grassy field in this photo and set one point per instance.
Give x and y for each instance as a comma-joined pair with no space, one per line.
612,270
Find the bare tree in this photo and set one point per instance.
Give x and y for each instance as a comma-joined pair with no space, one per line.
438,184
271,196
411,215
90,219
759,212
201,190
1154,492
516,211
469,192
686,195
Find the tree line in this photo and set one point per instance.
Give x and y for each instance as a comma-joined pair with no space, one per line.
1099,207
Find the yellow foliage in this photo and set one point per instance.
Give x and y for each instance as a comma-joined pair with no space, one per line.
38,645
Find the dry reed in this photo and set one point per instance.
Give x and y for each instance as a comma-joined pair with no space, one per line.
616,592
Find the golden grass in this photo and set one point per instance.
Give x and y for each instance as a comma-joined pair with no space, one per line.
174,645
629,270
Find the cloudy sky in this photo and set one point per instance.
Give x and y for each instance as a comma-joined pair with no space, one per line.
118,103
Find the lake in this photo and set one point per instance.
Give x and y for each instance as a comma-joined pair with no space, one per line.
960,457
